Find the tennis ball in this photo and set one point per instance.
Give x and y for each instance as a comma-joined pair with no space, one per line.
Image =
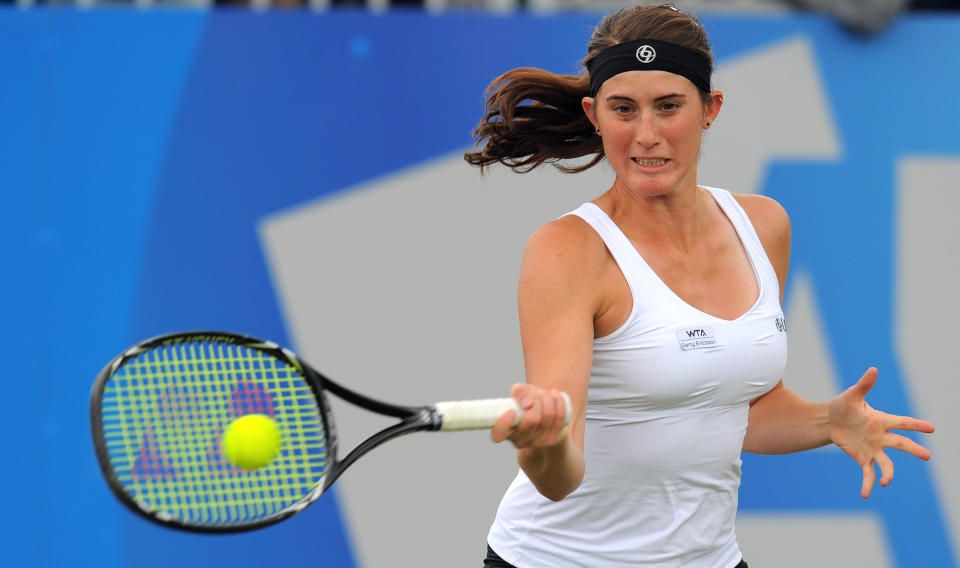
251,441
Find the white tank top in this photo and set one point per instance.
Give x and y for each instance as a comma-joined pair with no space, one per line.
666,416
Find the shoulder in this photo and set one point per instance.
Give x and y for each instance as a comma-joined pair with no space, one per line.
565,253
769,218
568,239
772,224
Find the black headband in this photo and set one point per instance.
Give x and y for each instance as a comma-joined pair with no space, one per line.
648,55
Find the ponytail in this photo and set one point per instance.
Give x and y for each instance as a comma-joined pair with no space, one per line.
535,116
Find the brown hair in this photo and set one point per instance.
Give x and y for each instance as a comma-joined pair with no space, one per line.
535,116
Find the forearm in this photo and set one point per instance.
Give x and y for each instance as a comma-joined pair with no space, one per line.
556,471
783,422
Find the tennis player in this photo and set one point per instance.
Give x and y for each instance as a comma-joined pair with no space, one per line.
657,307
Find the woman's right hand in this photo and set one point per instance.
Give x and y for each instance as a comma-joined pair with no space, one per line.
543,423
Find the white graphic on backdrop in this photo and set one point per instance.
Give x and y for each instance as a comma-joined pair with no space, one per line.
927,269
763,120
810,369
405,288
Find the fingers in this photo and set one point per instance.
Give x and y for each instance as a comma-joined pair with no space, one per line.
532,422
910,423
542,422
862,431
886,466
504,426
865,383
886,469
869,477
905,444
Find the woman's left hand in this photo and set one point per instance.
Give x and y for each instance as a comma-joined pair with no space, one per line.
863,432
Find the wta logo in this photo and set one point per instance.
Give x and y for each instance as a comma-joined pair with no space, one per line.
697,338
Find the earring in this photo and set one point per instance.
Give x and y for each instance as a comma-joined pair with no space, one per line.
598,132
707,125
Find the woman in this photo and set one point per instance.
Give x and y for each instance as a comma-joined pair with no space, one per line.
656,307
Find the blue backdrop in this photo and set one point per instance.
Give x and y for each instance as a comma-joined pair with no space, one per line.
139,148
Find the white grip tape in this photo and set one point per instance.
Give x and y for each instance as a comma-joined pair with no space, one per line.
480,414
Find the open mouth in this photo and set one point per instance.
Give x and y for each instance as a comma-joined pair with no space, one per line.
650,162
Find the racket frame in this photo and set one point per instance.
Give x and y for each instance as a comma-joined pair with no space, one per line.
412,419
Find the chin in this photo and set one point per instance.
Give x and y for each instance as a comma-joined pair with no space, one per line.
648,187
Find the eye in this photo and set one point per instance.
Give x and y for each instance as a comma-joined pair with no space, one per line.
669,106
622,109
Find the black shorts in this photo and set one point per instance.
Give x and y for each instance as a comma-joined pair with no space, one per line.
493,560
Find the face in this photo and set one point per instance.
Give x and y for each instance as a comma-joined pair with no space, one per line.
651,123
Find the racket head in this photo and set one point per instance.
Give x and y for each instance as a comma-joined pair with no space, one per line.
158,412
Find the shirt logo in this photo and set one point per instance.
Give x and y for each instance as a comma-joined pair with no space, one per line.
781,324
646,54
697,338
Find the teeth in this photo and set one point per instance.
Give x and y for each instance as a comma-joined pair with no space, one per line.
648,162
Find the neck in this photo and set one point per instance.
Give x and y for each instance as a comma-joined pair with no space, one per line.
676,218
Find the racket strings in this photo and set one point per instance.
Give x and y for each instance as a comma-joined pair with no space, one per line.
164,414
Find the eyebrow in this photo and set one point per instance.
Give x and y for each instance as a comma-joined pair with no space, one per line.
656,100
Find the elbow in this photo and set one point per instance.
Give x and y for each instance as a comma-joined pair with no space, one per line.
558,489
555,494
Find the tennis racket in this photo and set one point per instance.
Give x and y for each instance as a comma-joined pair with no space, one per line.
159,411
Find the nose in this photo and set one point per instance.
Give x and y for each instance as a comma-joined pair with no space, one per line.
647,133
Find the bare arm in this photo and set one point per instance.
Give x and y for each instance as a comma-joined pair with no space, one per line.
782,421
557,301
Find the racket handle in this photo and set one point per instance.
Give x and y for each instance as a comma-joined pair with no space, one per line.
481,414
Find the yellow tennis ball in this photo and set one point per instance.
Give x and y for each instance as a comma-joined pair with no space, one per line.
251,441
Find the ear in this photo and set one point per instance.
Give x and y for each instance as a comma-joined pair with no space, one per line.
589,110
712,109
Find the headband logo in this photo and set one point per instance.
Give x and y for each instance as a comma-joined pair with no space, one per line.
646,54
